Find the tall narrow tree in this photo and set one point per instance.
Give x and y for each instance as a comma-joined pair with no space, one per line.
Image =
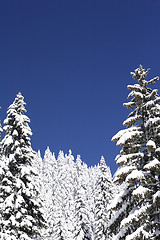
138,205
103,194
83,229
22,217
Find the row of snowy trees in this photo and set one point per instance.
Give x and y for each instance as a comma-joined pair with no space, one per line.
56,199
75,196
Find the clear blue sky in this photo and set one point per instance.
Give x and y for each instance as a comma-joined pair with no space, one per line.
72,60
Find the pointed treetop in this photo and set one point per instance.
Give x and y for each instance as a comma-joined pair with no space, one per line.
102,159
70,152
18,105
78,160
39,153
140,75
47,155
60,155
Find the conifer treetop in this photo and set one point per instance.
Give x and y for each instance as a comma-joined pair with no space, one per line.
140,74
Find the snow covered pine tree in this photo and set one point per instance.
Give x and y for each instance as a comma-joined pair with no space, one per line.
82,221
137,208
103,194
22,218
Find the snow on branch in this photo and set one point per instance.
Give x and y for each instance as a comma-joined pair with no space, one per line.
152,121
151,145
135,175
129,105
154,164
135,94
135,87
135,215
139,232
123,159
141,192
157,100
123,172
118,199
156,196
126,134
153,80
127,137
132,120
152,95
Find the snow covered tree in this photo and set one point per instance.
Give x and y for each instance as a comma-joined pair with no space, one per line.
48,192
137,207
38,168
59,229
83,229
103,194
39,183
91,176
22,217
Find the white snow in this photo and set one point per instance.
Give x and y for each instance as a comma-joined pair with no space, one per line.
8,140
124,171
136,95
152,121
140,192
124,158
135,175
132,120
137,233
135,215
122,132
150,104
19,201
135,87
129,104
151,145
156,196
15,133
152,165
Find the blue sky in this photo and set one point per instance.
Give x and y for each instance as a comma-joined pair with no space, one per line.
72,60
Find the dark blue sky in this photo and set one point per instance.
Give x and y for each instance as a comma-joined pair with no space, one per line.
72,60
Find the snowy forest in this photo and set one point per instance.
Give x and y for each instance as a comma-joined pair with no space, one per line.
49,198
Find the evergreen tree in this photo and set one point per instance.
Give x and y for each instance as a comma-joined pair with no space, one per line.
22,217
137,207
39,183
49,165
83,229
90,175
38,167
59,229
103,194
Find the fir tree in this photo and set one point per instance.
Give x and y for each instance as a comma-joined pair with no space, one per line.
83,229
59,230
21,208
137,213
39,183
103,194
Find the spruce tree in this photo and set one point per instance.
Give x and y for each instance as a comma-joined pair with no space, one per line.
137,209
83,229
103,195
59,227
22,217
